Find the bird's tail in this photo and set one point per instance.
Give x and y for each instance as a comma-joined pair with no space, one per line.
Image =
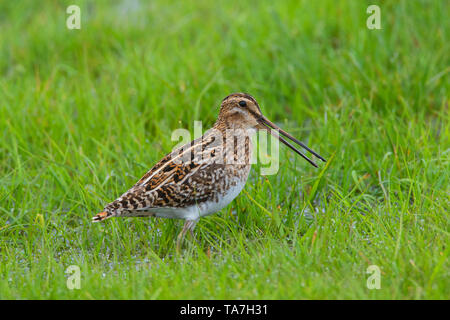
101,216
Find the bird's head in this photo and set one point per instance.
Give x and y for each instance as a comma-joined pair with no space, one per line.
241,111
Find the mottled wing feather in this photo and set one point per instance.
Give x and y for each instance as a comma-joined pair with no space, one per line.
166,161
173,184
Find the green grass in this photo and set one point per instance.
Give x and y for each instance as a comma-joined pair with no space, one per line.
85,113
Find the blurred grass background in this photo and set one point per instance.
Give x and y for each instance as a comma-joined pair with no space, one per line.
85,113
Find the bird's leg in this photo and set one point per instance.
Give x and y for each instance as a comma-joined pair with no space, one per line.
189,225
181,235
191,231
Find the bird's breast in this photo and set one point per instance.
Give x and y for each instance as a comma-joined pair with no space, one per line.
227,192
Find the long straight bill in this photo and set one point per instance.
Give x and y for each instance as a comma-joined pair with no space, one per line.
271,125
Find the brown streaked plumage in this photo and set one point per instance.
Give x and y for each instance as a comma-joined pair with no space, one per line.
202,176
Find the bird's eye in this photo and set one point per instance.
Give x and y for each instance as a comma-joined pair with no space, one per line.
242,103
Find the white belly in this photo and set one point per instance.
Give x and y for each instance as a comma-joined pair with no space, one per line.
210,207
188,213
197,211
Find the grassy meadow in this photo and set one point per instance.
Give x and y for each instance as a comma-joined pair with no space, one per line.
85,113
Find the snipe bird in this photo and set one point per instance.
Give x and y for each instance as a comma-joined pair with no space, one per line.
205,175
